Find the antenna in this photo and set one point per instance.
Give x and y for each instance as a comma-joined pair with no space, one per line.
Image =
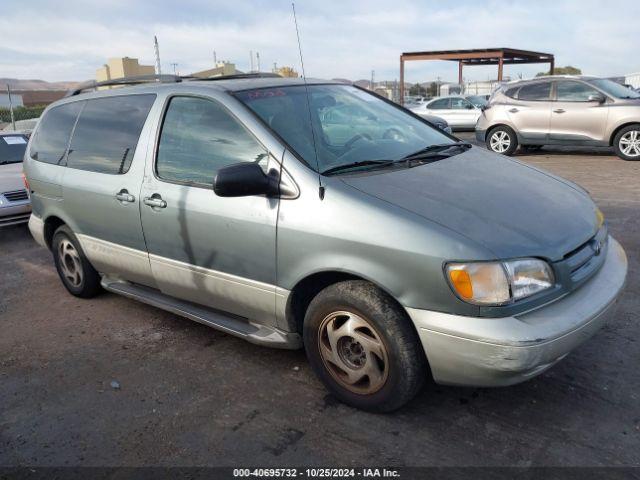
306,89
157,50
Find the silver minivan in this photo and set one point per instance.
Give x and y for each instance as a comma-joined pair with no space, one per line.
393,254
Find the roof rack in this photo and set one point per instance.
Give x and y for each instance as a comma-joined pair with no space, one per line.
140,79
136,80
236,76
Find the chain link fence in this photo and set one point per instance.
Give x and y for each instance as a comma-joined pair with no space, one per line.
20,113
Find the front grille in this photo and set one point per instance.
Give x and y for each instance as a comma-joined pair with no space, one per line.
16,195
585,261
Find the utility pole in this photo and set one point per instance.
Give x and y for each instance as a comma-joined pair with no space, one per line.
373,79
275,67
157,50
13,120
175,68
438,86
215,59
258,60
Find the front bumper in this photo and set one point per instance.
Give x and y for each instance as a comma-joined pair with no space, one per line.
491,352
14,213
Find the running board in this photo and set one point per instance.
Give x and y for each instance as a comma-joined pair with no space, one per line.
229,323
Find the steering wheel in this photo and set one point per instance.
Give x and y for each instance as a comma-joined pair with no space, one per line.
355,138
394,134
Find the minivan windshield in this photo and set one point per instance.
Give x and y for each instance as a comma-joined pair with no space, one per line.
12,148
614,89
349,125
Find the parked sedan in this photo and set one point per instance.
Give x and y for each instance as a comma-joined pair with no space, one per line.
15,206
459,112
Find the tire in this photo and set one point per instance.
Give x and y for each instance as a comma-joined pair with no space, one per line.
77,274
380,365
627,142
502,140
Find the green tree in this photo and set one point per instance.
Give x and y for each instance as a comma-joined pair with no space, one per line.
417,90
568,70
432,91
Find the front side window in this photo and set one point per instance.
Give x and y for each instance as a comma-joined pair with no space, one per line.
460,104
535,91
50,142
574,92
107,133
614,89
199,136
12,148
345,125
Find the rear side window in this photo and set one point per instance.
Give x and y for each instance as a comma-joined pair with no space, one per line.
52,136
198,137
535,91
443,103
107,133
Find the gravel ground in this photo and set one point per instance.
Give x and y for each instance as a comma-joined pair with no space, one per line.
110,381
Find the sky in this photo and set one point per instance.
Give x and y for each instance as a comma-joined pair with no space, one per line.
67,40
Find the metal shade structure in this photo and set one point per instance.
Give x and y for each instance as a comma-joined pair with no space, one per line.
480,56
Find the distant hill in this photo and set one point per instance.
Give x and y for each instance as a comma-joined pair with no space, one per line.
18,84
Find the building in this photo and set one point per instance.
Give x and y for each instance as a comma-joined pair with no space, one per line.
38,98
123,67
288,72
632,79
221,68
16,100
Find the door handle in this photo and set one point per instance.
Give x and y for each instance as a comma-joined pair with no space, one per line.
559,110
514,110
155,201
125,197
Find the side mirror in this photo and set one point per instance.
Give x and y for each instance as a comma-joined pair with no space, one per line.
596,97
243,180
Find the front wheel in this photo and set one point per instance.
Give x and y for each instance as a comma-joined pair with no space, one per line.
362,347
627,143
502,140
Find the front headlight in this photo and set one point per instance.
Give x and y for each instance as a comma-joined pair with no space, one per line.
498,283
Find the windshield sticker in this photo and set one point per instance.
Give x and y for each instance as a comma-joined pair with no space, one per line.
264,93
14,140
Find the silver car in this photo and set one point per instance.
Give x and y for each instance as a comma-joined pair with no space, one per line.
562,110
459,111
393,256
15,207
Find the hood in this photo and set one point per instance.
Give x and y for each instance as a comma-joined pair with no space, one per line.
11,177
510,208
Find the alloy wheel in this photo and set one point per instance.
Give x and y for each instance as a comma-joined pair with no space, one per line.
353,352
630,143
70,263
500,141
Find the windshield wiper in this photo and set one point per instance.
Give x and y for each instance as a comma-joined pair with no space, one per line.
436,148
363,163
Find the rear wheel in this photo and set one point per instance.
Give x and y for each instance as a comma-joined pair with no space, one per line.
502,140
627,143
75,271
362,347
